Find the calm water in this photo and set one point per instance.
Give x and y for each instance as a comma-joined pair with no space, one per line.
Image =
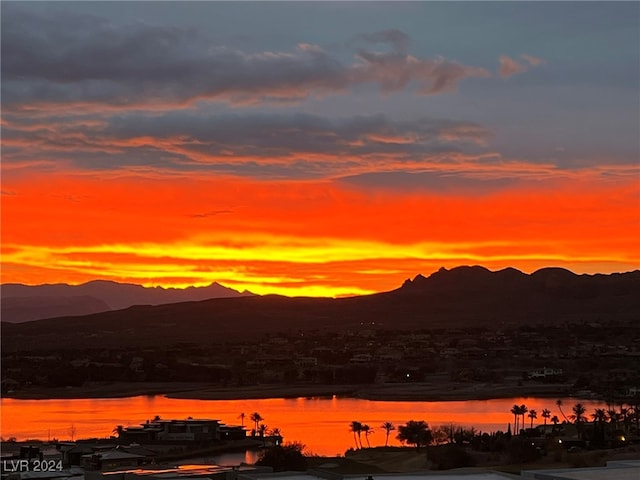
322,424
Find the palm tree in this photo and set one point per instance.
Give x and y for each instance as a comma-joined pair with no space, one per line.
559,404
578,417
256,418
532,415
262,430
555,420
523,411
599,415
118,429
387,427
545,414
614,417
367,431
516,412
241,417
356,428
625,413
634,414
415,432
578,413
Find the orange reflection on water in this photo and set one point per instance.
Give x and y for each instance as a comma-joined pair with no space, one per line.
322,424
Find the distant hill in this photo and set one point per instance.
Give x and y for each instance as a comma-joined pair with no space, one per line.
21,303
24,309
459,298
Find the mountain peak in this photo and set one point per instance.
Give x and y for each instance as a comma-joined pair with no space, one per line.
468,278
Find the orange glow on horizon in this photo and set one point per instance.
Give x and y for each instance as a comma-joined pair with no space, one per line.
312,238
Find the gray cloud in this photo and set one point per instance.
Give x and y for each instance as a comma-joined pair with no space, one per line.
394,71
283,136
274,128
297,145
59,57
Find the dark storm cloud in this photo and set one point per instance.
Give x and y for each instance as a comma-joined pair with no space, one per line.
59,57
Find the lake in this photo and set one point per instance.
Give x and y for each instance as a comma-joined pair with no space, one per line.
322,424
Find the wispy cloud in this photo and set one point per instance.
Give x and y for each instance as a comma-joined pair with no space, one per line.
397,39
210,213
292,144
509,66
533,61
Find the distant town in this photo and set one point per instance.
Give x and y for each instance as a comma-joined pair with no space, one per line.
573,359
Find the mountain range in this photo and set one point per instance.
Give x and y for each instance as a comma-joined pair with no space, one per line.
21,303
462,297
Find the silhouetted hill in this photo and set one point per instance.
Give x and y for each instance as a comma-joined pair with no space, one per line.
459,298
24,302
24,309
468,279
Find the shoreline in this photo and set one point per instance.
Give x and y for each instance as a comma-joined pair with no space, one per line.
418,392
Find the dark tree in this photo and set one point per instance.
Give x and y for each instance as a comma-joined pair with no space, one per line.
367,431
546,414
356,428
532,415
523,411
256,418
387,427
415,432
283,458
516,413
559,405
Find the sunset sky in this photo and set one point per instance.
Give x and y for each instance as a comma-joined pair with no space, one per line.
317,148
